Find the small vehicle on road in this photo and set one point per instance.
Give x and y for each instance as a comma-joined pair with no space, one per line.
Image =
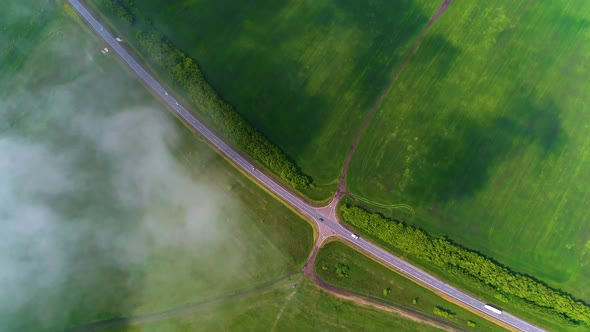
321,219
354,236
493,309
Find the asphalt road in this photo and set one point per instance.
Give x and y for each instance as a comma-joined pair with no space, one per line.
287,196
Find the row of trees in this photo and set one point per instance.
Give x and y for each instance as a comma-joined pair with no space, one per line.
456,259
116,6
222,115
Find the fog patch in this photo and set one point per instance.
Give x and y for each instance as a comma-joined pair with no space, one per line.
111,194
90,192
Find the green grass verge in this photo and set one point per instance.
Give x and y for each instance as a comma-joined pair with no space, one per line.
303,72
484,135
368,277
304,308
121,259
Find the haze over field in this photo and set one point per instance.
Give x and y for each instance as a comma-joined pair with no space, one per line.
52,201
86,190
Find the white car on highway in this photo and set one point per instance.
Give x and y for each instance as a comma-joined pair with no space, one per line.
354,236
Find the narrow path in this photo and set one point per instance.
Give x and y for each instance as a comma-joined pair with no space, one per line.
309,270
342,182
289,298
379,304
180,311
326,223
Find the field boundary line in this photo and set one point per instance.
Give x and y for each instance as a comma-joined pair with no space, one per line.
399,206
180,310
441,9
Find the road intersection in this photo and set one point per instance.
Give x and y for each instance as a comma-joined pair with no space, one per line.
325,218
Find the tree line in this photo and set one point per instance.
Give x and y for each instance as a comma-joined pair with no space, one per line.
455,259
187,74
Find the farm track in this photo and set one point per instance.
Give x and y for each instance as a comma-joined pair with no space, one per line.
324,219
308,270
180,311
365,300
342,182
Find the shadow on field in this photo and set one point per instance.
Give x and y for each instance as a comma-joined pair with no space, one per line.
459,161
438,51
275,60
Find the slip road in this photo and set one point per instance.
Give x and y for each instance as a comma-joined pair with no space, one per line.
296,202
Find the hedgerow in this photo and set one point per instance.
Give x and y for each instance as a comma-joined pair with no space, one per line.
454,258
187,74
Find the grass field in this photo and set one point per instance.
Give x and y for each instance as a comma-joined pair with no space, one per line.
305,308
484,135
303,72
115,208
367,277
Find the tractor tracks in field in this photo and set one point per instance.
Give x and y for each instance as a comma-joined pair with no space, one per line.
307,270
342,181
182,310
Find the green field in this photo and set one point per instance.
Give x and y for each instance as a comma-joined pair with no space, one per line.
303,72
367,277
485,136
108,206
304,308
116,209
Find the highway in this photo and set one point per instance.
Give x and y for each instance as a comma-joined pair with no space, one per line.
288,197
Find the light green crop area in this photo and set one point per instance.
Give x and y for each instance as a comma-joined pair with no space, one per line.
485,136
108,206
303,72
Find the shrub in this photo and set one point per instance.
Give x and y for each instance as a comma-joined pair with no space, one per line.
386,291
442,312
342,270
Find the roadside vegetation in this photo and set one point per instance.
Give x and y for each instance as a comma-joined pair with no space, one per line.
303,73
96,255
509,289
484,136
303,308
369,278
185,73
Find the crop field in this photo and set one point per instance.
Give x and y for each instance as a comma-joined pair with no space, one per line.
115,208
304,308
484,137
365,276
303,72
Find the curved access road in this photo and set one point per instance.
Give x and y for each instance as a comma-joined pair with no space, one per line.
323,220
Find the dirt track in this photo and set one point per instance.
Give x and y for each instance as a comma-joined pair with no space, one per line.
367,301
180,311
308,268
352,149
